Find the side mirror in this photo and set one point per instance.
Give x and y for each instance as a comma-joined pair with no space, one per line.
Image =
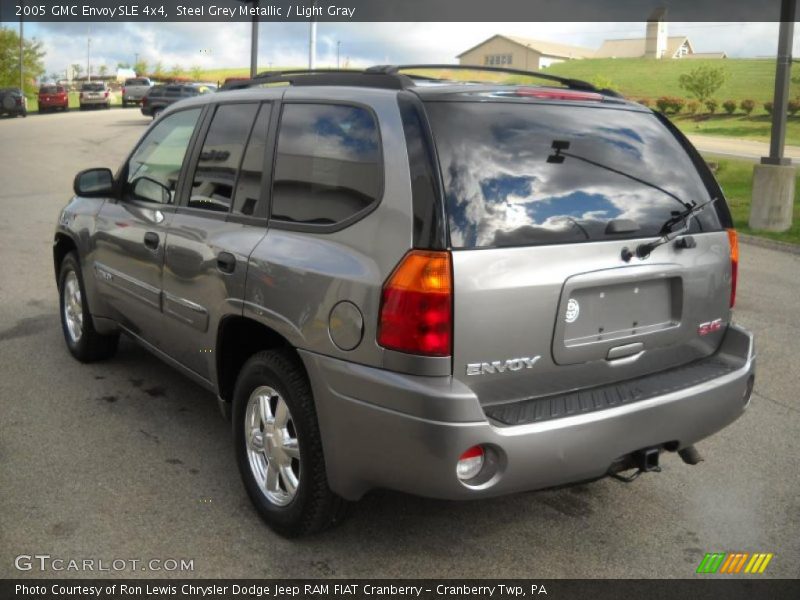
150,190
94,182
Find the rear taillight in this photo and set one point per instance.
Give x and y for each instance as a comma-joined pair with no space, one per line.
733,240
81,96
19,101
106,95
123,90
558,94
417,305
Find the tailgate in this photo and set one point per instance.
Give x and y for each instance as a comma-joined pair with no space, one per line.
542,199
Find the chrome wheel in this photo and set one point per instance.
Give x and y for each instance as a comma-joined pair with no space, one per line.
272,447
73,307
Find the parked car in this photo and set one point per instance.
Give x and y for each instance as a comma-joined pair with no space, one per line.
545,299
52,97
94,94
134,90
13,102
161,96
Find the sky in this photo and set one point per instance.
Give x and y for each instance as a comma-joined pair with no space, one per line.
227,44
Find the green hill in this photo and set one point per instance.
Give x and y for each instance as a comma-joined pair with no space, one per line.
643,78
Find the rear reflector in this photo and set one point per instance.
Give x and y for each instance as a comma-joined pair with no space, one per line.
416,305
733,240
470,463
548,94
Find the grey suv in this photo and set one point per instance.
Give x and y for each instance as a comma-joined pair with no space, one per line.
452,290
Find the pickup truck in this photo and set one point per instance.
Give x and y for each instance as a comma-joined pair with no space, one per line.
134,90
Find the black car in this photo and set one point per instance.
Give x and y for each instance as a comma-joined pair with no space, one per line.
161,96
13,102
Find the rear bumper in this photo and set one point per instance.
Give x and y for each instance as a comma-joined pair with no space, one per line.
387,430
93,101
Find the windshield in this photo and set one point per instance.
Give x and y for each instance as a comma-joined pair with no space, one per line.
501,190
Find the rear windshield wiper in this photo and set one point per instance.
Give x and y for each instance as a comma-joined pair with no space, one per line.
670,230
561,147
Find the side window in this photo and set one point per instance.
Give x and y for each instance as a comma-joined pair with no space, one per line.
154,168
246,200
328,165
220,157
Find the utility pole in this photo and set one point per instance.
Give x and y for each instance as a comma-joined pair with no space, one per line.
312,45
774,178
338,49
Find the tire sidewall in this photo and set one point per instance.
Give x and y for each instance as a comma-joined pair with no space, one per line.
258,372
78,349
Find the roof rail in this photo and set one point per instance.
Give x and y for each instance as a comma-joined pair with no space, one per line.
575,84
388,76
347,77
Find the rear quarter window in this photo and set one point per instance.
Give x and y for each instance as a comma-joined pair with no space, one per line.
328,167
501,190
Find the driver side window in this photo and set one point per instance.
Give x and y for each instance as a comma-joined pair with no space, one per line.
154,168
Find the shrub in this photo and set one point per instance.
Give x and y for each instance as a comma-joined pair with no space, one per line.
711,105
794,106
644,102
702,82
730,106
768,107
747,106
669,104
692,106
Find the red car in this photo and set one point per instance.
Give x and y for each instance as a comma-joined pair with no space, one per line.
52,97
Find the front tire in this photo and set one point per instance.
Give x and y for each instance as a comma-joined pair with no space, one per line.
279,448
83,342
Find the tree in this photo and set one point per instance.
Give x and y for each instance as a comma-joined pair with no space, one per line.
123,65
196,72
176,70
703,82
140,68
32,60
55,76
77,69
102,70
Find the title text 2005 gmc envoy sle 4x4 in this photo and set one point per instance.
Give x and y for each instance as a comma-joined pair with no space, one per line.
453,290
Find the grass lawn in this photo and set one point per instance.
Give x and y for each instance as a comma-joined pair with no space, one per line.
736,179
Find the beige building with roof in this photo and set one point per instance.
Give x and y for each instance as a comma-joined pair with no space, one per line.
520,53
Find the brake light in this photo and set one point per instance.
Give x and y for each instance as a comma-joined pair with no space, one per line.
105,95
123,90
733,240
81,96
548,94
416,305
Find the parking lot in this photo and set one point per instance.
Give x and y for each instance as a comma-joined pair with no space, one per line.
129,460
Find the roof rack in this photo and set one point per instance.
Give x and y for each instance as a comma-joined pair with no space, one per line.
575,84
388,76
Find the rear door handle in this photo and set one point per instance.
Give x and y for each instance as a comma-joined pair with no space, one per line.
226,262
151,240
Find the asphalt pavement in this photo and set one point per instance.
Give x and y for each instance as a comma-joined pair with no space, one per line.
128,460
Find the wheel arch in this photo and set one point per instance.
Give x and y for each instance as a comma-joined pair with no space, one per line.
239,338
63,244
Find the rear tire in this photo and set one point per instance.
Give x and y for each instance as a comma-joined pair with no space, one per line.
83,342
278,446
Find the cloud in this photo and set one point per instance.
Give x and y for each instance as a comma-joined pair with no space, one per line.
227,44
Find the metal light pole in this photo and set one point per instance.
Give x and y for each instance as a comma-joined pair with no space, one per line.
21,49
312,45
774,178
88,53
338,48
254,44
783,71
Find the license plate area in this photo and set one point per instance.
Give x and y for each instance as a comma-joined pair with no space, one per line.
604,310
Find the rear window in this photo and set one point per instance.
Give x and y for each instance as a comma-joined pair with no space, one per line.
137,82
93,87
500,189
